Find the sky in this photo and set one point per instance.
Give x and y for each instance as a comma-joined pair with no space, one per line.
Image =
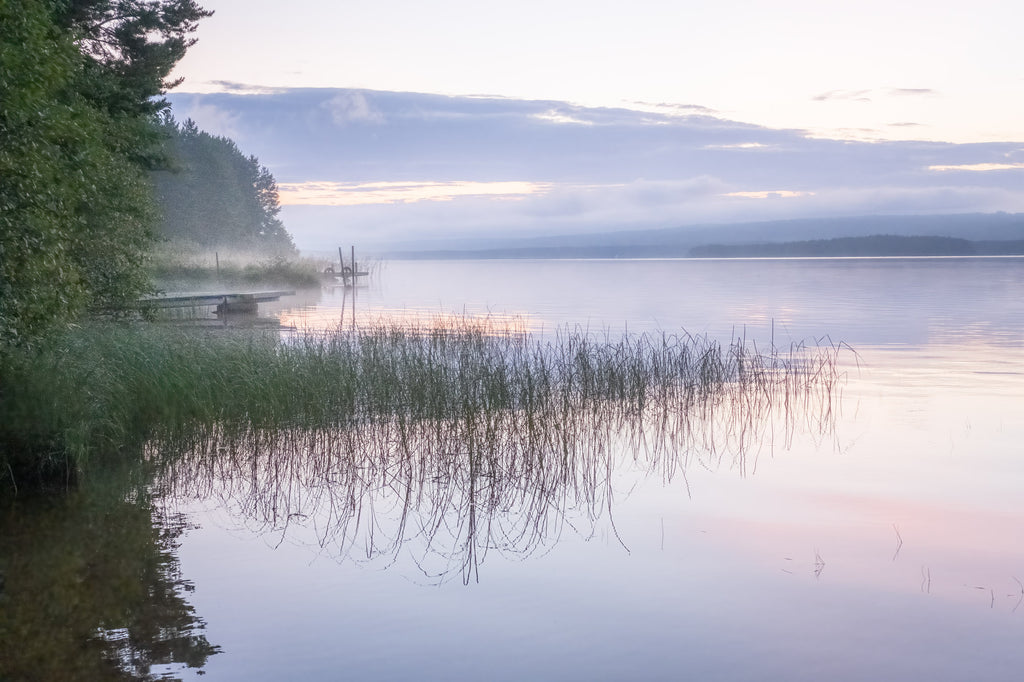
811,107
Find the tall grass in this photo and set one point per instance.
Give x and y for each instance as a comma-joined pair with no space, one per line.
451,443
389,393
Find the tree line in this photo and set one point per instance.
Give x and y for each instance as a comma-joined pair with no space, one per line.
94,170
214,195
875,245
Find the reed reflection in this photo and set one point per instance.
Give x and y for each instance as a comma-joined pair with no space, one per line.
345,316
452,443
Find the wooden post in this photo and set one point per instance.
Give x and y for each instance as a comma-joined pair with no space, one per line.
341,257
216,258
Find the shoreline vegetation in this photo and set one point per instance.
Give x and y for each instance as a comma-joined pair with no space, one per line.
178,266
105,391
182,266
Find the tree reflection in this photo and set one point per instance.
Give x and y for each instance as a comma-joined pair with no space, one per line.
92,588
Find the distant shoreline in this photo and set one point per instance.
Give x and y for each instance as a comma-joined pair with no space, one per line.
875,246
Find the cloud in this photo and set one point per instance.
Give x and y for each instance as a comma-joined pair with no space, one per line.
352,107
916,200
740,146
326,193
434,138
558,209
770,194
209,117
244,88
916,92
855,95
584,209
673,109
846,134
556,116
867,95
394,165
978,167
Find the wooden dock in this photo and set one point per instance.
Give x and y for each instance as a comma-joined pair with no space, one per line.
226,303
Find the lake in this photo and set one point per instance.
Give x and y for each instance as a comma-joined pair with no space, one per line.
877,539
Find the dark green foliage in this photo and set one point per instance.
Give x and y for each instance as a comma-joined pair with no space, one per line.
36,207
215,196
74,215
132,46
76,133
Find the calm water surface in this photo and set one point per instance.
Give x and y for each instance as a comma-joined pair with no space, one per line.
886,546
887,549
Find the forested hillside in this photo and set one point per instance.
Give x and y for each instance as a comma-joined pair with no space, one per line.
212,195
875,245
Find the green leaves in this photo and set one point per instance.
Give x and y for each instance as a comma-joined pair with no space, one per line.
133,45
77,135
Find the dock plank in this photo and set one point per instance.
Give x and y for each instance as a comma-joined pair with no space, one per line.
212,299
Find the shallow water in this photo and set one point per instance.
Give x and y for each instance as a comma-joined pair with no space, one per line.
882,545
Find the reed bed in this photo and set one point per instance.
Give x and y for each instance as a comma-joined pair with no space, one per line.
101,386
444,493
442,443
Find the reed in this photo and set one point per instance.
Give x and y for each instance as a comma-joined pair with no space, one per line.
532,452
102,391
